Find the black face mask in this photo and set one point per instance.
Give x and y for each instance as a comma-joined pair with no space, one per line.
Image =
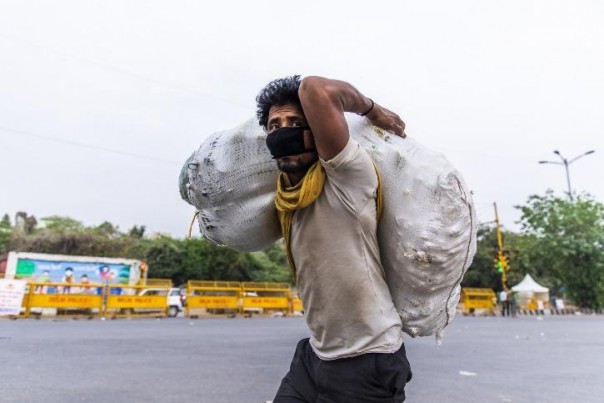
287,141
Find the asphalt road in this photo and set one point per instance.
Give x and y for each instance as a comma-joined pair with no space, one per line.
554,359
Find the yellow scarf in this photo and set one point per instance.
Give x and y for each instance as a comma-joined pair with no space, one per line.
291,198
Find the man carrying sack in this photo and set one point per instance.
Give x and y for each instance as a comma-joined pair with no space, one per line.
329,200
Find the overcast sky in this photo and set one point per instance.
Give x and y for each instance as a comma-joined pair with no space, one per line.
102,101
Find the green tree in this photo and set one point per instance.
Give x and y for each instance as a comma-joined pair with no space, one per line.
62,224
220,263
482,273
5,233
107,229
25,223
164,257
274,264
137,231
197,259
67,236
566,239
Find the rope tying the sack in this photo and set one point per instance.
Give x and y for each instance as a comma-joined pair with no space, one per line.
195,215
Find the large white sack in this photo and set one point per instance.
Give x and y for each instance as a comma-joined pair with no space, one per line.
232,180
427,234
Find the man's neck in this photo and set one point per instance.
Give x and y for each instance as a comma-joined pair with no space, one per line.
295,178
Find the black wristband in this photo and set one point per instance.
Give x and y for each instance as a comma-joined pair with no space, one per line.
368,110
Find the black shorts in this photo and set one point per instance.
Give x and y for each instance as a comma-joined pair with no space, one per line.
367,378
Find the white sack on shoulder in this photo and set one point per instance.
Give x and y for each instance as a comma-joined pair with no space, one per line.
427,234
232,180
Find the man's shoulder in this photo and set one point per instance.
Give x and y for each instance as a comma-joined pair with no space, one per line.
352,173
352,157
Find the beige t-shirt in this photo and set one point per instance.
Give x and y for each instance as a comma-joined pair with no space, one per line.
347,304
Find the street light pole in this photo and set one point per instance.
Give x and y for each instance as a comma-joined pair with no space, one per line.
566,163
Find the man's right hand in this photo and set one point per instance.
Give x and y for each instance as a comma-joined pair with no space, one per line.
324,102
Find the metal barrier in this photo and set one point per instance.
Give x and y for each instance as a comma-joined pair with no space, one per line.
256,297
61,296
137,300
213,295
297,306
158,282
230,297
478,298
96,299
117,300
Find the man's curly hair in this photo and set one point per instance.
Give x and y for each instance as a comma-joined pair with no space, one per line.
279,92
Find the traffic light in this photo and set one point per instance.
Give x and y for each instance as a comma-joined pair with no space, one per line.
506,263
502,264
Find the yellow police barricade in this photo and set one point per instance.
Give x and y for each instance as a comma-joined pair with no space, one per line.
137,300
296,306
158,282
63,298
262,297
474,299
212,297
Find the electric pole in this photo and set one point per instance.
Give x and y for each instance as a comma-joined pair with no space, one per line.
501,263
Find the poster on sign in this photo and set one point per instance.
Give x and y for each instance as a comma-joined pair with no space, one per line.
41,271
11,296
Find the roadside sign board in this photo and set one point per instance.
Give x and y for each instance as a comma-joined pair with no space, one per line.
11,296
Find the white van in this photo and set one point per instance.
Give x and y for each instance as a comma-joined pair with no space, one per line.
174,299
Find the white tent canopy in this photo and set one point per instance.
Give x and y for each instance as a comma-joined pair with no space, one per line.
530,294
528,284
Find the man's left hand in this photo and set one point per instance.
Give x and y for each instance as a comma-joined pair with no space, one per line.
387,120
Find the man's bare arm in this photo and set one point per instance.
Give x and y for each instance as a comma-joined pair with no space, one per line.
324,102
